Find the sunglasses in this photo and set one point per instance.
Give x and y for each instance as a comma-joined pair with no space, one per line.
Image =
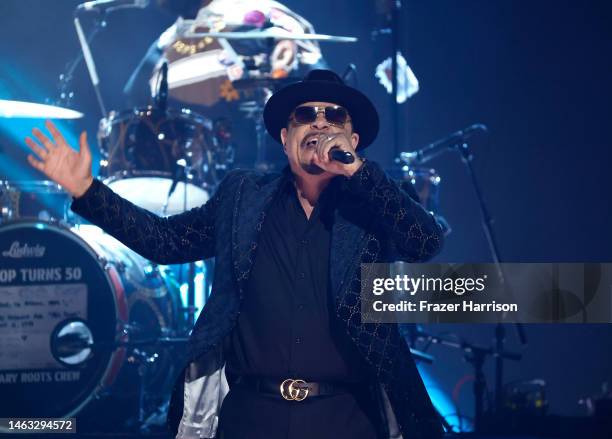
334,114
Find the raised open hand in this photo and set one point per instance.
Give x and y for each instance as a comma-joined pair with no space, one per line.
69,168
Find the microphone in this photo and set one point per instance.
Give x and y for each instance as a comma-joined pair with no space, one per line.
432,150
341,156
104,6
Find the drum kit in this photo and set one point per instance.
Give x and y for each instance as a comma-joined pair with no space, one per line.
86,321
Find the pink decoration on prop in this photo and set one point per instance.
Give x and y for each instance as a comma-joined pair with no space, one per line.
255,18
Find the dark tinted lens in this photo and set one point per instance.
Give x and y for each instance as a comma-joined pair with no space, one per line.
305,114
336,115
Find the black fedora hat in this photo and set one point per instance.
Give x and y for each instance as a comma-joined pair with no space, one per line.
322,86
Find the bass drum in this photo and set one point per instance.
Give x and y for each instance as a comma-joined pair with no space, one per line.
50,274
35,199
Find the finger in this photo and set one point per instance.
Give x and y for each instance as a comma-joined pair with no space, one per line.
40,136
316,159
84,146
319,146
36,163
326,146
57,136
39,150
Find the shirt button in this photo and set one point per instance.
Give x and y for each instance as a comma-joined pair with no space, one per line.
298,340
304,241
302,275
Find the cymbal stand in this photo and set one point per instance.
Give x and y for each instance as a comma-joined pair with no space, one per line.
89,61
66,94
254,110
182,173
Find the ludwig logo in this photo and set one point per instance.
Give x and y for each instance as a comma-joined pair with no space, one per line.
24,251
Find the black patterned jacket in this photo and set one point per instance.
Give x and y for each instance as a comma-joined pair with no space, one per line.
376,220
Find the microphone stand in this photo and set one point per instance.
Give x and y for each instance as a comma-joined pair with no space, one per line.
459,142
500,331
476,356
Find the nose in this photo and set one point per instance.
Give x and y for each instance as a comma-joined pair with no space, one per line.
320,123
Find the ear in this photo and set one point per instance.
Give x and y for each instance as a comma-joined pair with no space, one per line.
354,140
283,135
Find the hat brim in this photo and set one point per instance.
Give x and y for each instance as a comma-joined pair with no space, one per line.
363,114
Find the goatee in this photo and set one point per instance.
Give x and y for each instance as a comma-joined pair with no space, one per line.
312,169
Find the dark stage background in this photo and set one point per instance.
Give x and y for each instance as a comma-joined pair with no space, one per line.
537,73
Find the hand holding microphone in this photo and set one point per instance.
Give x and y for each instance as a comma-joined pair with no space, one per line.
335,153
341,156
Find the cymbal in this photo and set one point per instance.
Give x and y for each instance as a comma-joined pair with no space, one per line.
270,33
22,109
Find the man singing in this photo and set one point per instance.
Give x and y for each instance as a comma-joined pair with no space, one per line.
279,350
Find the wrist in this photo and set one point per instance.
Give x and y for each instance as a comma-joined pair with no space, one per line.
83,187
351,169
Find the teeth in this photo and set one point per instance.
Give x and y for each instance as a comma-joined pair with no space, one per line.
312,140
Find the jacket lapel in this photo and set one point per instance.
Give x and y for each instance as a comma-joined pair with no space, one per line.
252,201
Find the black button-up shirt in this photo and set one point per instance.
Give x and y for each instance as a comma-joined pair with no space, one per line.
287,329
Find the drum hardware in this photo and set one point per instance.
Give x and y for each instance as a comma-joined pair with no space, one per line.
183,173
72,344
526,397
254,110
262,88
473,354
225,151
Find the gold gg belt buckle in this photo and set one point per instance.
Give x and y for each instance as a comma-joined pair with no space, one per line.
292,393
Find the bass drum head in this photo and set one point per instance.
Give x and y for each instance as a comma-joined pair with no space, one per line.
49,275
151,192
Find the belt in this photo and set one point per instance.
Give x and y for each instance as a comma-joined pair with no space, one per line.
294,389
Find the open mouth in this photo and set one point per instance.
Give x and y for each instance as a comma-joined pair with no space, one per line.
312,140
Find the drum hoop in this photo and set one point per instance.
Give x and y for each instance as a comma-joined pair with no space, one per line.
117,357
126,175
33,186
139,112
